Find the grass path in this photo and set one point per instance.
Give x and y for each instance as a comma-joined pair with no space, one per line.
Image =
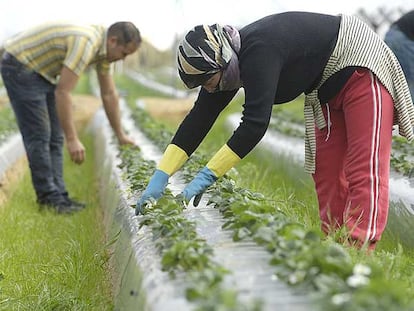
50,261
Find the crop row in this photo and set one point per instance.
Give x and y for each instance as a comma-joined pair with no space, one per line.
301,258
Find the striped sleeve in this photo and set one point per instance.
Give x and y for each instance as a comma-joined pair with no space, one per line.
80,53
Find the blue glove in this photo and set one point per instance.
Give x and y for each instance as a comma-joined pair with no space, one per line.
155,190
204,179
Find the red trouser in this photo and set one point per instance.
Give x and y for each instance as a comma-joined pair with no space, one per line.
353,159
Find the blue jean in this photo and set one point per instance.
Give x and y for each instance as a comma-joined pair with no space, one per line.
403,48
33,101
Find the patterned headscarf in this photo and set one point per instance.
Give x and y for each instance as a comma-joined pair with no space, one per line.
207,50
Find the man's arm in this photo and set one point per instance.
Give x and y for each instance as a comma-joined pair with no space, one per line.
110,102
66,84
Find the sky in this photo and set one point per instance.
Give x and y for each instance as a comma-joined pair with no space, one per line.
162,21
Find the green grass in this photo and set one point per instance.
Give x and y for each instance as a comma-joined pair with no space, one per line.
50,261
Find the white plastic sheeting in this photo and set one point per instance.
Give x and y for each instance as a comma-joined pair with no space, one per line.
10,151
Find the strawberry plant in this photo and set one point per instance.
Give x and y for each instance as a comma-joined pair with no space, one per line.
183,253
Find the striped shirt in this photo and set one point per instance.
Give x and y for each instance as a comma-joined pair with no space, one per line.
354,34
46,48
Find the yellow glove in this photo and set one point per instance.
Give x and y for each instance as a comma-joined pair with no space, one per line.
174,157
222,161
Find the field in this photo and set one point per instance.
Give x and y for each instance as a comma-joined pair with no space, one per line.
253,244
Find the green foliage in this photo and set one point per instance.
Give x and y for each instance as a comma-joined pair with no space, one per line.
401,164
182,252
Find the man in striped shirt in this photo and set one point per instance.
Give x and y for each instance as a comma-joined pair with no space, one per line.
40,68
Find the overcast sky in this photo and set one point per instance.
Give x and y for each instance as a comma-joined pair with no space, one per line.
160,21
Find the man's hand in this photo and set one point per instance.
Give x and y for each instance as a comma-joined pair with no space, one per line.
76,151
204,179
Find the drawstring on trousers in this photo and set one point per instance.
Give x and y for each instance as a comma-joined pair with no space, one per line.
329,122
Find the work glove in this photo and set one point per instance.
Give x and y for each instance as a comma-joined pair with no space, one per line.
155,190
204,179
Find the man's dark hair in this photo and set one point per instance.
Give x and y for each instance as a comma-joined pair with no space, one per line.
125,32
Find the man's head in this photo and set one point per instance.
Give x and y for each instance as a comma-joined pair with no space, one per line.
123,39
